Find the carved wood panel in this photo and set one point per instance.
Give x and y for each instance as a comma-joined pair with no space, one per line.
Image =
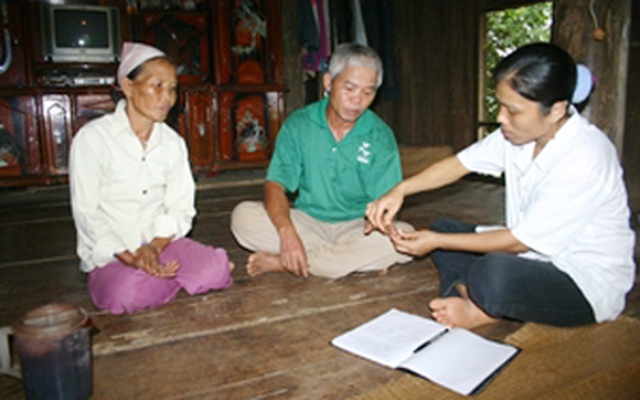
90,106
19,142
184,37
243,56
200,128
249,123
57,132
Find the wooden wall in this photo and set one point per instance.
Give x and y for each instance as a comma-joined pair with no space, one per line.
437,67
291,56
437,57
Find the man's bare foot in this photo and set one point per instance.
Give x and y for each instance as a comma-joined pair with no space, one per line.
459,312
262,262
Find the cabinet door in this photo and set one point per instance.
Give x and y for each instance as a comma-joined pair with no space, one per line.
245,50
91,106
200,129
57,132
19,143
249,123
184,37
248,43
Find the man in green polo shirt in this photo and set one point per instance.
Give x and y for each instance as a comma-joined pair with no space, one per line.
337,156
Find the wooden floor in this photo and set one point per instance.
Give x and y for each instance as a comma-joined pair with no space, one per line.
264,338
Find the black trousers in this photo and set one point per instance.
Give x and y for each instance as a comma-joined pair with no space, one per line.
507,286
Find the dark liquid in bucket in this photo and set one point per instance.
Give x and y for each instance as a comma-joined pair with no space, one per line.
64,372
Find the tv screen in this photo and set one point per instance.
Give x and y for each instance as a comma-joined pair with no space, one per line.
81,28
78,33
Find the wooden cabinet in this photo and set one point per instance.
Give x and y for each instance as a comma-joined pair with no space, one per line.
62,116
36,131
231,93
229,68
19,142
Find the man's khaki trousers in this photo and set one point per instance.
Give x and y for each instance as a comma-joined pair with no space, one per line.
333,249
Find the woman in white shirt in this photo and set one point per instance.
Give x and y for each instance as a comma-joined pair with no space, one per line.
565,256
132,196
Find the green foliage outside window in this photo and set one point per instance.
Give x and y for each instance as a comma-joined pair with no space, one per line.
506,31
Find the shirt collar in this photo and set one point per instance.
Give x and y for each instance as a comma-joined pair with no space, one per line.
121,125
363,125
121,120
565,135
523,158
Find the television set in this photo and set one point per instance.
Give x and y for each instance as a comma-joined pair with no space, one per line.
80,33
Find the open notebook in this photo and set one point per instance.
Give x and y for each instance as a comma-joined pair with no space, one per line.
455,358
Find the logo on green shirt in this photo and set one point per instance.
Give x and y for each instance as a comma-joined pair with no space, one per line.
364,155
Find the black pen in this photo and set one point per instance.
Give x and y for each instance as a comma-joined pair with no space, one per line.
428,342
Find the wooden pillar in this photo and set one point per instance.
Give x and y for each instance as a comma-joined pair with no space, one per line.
631,161
607,58
292,56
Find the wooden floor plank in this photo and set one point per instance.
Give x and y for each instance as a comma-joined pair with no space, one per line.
245,355
264,338
257,302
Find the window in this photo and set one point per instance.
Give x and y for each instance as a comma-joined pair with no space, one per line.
503,31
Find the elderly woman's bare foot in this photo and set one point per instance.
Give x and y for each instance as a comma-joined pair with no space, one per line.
459,312
262,262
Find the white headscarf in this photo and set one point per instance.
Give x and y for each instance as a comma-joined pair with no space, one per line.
133,55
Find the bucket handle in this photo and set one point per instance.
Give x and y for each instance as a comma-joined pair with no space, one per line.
5,354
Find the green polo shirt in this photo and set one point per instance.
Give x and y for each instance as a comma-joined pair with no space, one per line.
335,180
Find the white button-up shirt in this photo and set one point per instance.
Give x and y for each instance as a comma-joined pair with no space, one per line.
569,206
124,194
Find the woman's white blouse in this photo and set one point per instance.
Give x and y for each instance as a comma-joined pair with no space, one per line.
124,194
569,206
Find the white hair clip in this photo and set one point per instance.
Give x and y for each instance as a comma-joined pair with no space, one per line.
584,84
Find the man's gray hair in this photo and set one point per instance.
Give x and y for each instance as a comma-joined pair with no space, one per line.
355,55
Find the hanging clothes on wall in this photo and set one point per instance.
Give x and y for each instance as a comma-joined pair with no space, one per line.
368,22
315,34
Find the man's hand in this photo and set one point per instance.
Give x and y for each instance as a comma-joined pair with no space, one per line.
417,243
381,212
293,255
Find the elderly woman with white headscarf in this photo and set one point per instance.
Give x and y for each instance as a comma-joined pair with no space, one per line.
132,196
